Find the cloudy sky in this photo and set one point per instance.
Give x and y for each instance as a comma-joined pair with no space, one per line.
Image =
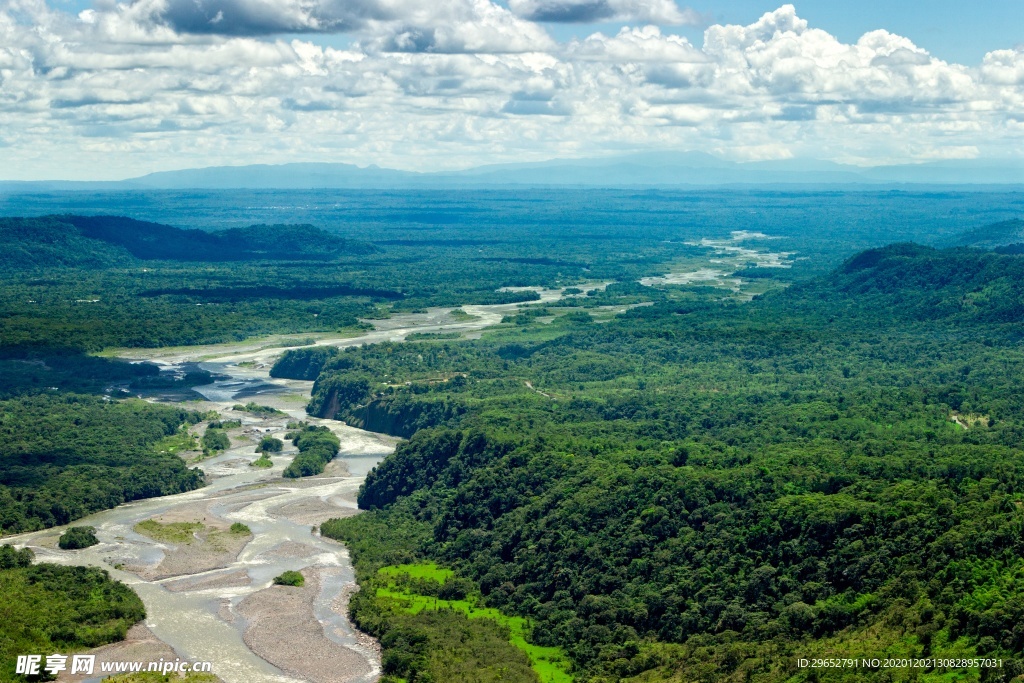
100,89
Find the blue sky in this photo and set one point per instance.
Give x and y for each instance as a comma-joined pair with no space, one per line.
949,29
111,89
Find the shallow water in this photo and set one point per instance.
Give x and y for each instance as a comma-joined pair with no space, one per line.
193,621
188,621
732,256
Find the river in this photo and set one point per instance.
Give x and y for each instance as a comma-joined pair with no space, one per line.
214,606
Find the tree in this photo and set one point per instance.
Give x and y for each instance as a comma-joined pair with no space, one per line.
78,537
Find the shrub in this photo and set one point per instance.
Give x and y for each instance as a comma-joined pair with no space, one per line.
78,537
263,461
215,440
269,444
290,578
256,409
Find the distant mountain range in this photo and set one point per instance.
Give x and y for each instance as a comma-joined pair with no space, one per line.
665,169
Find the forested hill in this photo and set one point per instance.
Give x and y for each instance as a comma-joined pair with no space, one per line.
271,242
98,241
994,235
48,242
699,490
909,281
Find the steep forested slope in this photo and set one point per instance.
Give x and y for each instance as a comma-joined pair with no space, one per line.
705,491
906,281
47,242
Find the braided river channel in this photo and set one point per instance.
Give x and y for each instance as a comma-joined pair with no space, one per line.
211,599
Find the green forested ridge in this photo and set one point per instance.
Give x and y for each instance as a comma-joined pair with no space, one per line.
32,243
65,456
699,490
995,235
106,240
109,281
51,609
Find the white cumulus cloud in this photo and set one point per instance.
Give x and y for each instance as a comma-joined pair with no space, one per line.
132,87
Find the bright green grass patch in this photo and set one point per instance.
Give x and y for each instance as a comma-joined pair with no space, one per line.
549,663
427,570
184,440
460,314
262,461
174,532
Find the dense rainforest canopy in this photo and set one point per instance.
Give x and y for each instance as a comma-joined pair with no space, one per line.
810,449
50,608
833,469
65,456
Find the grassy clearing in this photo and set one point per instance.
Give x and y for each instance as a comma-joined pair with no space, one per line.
535,332
184,440
425,570
549,663
462,316
174,532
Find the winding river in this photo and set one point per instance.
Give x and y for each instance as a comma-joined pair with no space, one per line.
223,608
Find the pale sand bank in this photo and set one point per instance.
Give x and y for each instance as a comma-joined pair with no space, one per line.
289,550
214,547
282,630
232,579
312,511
